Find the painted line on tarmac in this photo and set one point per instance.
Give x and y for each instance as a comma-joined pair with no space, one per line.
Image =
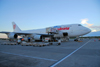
69,55
29,56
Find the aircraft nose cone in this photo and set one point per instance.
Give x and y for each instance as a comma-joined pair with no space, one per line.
89,30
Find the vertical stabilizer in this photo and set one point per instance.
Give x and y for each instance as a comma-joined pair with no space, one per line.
15,27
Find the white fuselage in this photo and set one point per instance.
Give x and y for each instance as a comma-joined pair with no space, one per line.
73,30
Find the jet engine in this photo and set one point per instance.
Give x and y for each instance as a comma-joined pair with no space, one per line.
37,37
12,36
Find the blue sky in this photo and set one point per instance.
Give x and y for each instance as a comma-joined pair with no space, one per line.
35,14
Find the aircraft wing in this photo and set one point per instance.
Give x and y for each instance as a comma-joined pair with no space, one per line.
20,33
34,33
17,33
46,34
5,32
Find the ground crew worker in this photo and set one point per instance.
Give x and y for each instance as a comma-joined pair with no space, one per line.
22,39
28,39
59,42
99,39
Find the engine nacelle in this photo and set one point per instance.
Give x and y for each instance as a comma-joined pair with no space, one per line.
12,36
37,37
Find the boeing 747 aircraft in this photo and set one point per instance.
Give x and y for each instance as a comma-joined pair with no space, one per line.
60,31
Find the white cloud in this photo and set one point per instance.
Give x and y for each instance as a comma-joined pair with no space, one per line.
91,26
94,30
95,27
84,21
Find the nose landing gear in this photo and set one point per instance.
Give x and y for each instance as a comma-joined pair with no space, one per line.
77,39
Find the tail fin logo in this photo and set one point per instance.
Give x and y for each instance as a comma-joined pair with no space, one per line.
14,26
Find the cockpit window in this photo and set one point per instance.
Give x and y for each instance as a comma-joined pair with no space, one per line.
79,25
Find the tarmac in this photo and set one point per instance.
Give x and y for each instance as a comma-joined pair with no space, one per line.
68,54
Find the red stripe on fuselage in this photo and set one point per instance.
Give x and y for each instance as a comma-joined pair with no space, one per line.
66,28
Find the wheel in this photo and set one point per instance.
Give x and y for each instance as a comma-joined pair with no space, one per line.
75,39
